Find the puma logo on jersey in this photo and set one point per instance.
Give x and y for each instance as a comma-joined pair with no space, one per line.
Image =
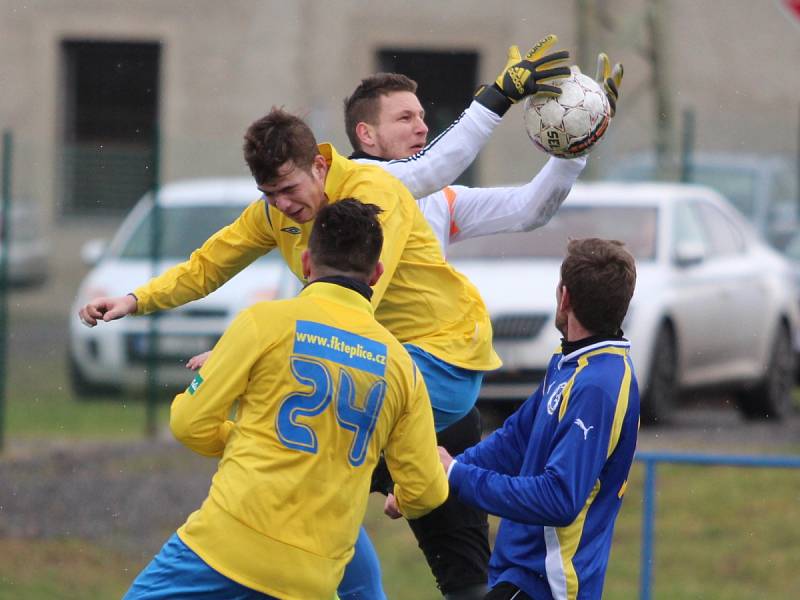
584,428
293,230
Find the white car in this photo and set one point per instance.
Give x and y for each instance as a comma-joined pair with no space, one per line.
27,249
762,187
114,355
714,305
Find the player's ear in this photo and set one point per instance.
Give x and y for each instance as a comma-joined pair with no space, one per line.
305,259
376,274
365,134
565,301
320,166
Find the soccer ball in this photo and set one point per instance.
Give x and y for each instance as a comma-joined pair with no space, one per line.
570,124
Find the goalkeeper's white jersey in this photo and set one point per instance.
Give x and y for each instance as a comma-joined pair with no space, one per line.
457,212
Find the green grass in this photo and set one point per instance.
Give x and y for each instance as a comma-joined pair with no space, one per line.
61,569
721,532
40,404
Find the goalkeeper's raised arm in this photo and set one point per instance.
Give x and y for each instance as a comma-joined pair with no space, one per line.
427,170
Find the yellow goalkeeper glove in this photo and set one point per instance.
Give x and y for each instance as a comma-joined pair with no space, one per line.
610,79
523,77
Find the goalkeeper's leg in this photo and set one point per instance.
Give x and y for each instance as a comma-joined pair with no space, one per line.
455,536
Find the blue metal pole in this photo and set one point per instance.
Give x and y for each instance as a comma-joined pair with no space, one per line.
648,520
729,460
651,459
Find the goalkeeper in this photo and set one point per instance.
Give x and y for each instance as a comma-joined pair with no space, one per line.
385,123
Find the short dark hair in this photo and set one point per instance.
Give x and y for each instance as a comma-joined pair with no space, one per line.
600,276
347,237
275,139
364,103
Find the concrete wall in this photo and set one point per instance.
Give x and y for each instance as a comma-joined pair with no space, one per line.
225,63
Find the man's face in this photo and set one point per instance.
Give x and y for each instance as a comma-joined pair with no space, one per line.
297,193
401,129
561,315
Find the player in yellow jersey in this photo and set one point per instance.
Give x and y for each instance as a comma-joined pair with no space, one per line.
322,389
428,306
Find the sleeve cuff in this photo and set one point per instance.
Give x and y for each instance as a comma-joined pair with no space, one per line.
573,165
138,295
493,99
450,468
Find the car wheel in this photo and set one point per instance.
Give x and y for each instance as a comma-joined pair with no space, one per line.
82,388
771,398
659,401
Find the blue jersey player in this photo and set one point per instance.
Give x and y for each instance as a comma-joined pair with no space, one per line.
557,470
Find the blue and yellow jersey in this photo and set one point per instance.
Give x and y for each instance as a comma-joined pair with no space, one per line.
321,389
556,473
421,299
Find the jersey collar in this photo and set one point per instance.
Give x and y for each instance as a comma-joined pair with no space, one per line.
363,155
338,167
571,351
335,292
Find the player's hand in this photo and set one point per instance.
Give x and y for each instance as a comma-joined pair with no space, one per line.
390,508
198,361
610,79
107,309
445,458
524,76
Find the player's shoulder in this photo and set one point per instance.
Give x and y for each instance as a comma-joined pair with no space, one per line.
263,316
375,173
602,377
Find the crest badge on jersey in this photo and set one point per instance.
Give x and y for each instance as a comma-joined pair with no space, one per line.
555,398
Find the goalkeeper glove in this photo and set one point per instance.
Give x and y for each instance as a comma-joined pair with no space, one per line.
523,77
610,79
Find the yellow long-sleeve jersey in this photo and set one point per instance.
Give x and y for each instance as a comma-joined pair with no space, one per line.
421,299
322,389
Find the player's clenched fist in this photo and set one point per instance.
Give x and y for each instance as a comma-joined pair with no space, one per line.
107,309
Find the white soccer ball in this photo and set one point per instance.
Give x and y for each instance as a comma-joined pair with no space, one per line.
569,125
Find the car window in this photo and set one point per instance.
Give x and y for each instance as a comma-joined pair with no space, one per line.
183,230
737,185
637,226
793,248
687,227
724,238
783,210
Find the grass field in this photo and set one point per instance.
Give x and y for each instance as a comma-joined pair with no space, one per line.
721,533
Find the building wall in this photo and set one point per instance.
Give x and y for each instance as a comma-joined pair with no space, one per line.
225,63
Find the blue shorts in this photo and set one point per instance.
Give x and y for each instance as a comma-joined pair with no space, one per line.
177,572
453,390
